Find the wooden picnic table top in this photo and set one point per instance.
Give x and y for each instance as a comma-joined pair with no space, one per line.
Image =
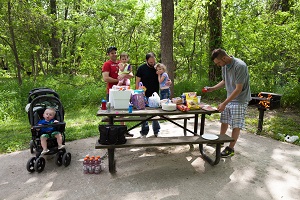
150,112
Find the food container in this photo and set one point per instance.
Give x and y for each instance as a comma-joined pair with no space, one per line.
168,106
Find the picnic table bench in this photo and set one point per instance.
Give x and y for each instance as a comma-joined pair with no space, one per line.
151,114
166,141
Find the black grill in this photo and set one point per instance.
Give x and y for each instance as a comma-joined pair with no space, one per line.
264,101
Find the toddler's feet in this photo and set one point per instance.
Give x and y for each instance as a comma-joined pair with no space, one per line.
61,147
45,151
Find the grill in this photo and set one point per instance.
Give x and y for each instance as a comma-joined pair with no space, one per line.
264,101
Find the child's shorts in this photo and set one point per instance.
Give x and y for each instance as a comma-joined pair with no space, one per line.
50,135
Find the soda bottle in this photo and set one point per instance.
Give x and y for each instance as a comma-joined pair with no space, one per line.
97,165
103,104
85,166
204,89
91,166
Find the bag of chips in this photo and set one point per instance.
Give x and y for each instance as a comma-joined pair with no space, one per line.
192,100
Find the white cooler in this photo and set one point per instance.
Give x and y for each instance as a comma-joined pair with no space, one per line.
119,99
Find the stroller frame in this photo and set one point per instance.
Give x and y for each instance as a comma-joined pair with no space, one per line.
41,99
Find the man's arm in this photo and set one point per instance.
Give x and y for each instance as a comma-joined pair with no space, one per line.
234,94
137,81
130,75
220,85
107,78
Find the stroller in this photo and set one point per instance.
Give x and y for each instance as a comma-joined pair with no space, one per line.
39,100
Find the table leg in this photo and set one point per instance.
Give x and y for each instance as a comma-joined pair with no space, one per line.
111,160
207,158
111,120
202,124
196,124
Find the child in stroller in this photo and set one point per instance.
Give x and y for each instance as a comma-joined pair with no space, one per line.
49,132
42,110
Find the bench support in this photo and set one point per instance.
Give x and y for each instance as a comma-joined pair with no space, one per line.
207,158
112,162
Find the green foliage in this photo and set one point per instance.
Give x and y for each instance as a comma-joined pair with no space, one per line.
80,97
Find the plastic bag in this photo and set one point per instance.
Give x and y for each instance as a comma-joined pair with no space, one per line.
154,101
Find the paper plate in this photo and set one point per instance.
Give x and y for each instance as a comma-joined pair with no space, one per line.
210,136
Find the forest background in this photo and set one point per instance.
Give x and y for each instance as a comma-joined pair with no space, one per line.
62,44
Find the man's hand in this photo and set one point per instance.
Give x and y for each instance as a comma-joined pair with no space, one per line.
221,107
169,82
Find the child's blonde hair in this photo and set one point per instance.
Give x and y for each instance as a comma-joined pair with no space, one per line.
162,66
124,54
53,110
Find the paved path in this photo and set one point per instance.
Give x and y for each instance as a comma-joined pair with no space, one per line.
261,169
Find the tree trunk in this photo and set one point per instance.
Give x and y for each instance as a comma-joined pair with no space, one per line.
54,43
166,40
14,47
215,36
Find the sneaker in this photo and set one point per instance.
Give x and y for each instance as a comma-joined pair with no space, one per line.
61,147
143,136
128,134
156,134
227,152
45,151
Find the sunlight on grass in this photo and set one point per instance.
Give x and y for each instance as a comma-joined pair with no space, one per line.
81,98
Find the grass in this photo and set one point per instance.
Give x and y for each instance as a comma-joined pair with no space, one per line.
81,97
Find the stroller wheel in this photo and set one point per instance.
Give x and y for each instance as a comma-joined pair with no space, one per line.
39,164
31,146
30,164
66,159
59,158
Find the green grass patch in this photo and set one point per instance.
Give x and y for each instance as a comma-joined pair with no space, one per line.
81,97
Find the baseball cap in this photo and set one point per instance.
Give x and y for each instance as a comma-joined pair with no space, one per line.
109,49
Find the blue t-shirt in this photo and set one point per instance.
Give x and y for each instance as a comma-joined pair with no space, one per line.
46,129
163,84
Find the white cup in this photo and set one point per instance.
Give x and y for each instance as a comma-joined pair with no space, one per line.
199,99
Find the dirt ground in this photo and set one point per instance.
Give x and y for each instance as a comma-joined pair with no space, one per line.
262,168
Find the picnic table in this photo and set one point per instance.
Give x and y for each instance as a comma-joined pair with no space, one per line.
148,114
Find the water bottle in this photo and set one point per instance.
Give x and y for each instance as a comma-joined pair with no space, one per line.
130,108
103,104
85,166
108,106
97,166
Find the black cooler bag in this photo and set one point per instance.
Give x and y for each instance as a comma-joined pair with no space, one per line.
112,134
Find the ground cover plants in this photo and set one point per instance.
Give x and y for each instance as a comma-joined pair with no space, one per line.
81,97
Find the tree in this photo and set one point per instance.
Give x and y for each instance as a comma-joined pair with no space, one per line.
215,36
166,40
13,45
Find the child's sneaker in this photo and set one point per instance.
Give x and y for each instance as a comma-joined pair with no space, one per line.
227,152
45,151
61,146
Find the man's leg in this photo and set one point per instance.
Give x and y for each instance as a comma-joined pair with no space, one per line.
235,136
145,129
155,127
224,128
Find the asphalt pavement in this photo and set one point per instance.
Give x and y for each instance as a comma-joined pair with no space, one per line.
262,168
